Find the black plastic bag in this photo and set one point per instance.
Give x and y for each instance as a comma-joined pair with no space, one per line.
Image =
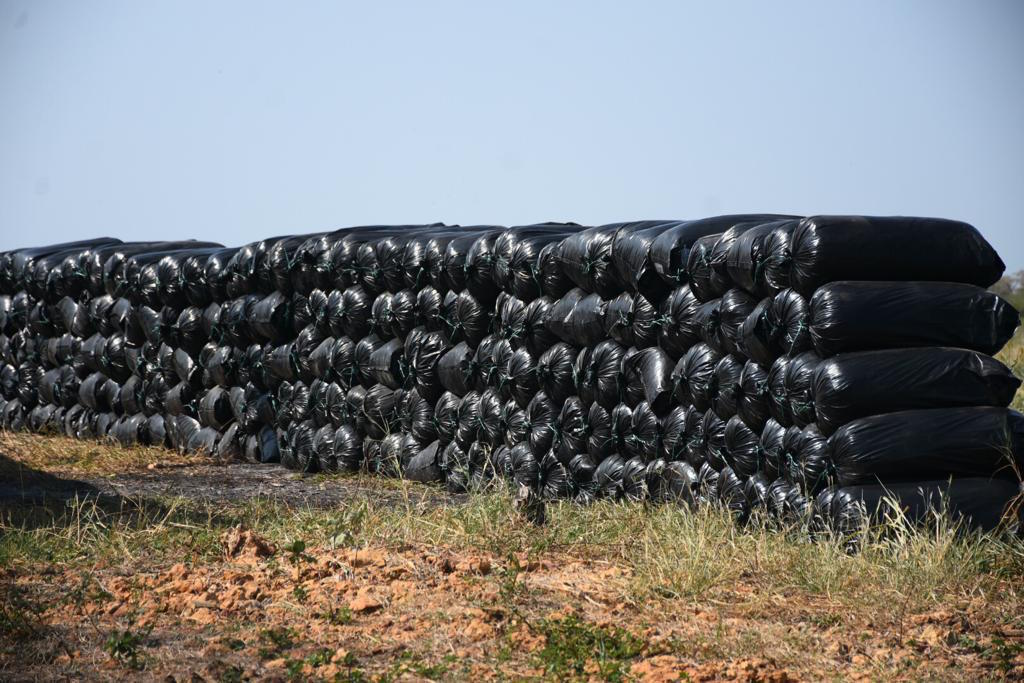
608,477
644,438
535,335
830,248
778,400
978,503
586,257
854,385
752,396
517,258
799,389
742,448
723,391
578,318
633,320
555,372
386,364
631,256
733,310
708,320
929,444
673,434
379,411
712,436
759,260
541,415
647,376
425,466
858,316
469,419
693,375
670,250
598,372
453,369
456,273
446,417
679,330
573,430
732,495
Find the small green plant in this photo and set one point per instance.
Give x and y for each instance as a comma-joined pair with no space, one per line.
572,644
276,641
300,594
296,550
339,616
123,647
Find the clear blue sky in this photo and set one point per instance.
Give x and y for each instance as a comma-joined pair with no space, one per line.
239,120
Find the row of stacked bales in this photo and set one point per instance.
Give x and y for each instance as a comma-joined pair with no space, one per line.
760,362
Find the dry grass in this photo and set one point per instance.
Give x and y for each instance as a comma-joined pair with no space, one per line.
660,572
1013,356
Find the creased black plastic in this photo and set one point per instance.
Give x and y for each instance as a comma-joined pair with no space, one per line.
854,385
929,444
861,315
829,248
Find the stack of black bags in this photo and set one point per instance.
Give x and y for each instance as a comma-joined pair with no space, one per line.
800,367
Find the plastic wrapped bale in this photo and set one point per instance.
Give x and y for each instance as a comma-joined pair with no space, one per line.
597,373
517,257
480,370
468,419
555,372
692,376
457,274
608,477
351,313
490,431
678,330
647,376
756,490
670,250
525,467
631,256
752,396
425,466
421,418
733,310
759,260
516,427
541,415
696,453
306,456
807,460
975,503
272,318
585,257
621,425
523,382
706,488
14,414
743,448
534,334
709,322
778,402
723,391
790,315
455,465
732,495
424,364
929,444
378,412
633,320
854,385
859,316
215,409
554,479
453,369
712,436
798,387
480,265
830,248
778,446
572,429
386,364
230,445
446,417
644,438
381,315
500,379
578,318
38,417
677,484
323,448
759,335
673,434
465,318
